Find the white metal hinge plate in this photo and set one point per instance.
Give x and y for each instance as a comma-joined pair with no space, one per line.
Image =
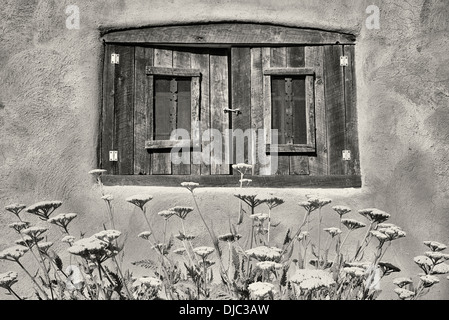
344,61
115,58
113,156
346,155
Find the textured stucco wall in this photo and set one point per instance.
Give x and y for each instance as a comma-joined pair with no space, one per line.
50,102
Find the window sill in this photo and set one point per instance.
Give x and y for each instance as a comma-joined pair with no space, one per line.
298,181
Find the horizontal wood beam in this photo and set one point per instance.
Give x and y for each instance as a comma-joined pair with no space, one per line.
289,72
296,181
298,148
177,72
228,33
169,144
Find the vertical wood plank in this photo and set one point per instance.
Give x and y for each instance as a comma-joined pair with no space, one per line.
270,167
241,99
142,123
335,107
200,60
279,59
219,98
107,114
195,133
257,114
318,165
299,165
181,59
161,161
124,112
352,167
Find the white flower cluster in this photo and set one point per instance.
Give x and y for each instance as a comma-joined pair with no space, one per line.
139,200
43,209
13,253
203,252
62,219
151,282
268,265
259,290
190,185
333,231
390,230
375,215
108,235
89,248
341,210
264,253
7,279
312,279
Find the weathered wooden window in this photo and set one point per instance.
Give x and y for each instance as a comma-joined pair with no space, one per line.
226,77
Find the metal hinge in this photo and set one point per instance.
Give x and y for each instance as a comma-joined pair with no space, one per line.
344,61
113,156
115,58
346,155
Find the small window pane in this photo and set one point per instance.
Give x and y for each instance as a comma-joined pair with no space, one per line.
171,95
288,111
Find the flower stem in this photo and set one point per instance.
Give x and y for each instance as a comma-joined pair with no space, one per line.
32,279
319,238
15,294
269,224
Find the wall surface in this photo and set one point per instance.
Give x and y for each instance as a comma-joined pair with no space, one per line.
50,103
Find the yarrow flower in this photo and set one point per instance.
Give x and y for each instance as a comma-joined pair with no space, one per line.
392,231
190,185
15,208
404,293
139,200
388,268
203,252
19,226
108,197
63,220
355,271
34,232
13,253
242,167
144,235
341,210
268,265
181,212
309,206
249,198
333,231
375,215
312,279
107,235
423,262
352,224
151,282
179,251
7,279
264,253
429,280
90,248
43,209
401,282
97,172
44,246
436,256
183,237
166,214
259,290
435,246
259,217
68,239
441,268
317,201
273,202
27,241
229,237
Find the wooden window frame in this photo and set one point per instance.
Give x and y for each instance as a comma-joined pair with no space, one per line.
227,35
310,146
194,75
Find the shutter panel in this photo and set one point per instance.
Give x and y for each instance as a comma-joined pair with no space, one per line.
352,141
118,111
335,107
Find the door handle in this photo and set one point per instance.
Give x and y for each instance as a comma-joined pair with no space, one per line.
236,111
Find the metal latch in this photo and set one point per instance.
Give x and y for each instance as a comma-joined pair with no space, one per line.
344,61
113,156
236,111
346,155
115,58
